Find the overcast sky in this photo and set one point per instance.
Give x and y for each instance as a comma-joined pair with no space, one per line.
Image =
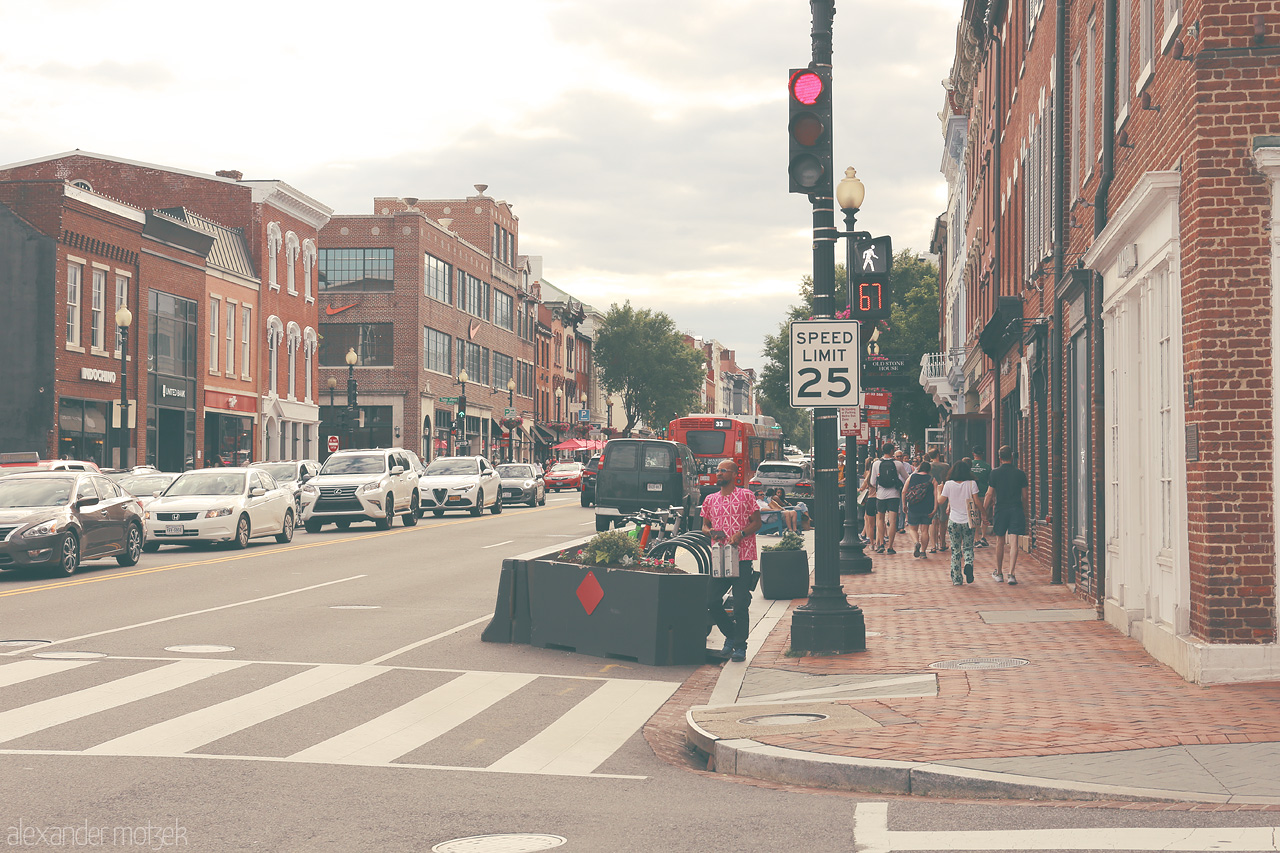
642,143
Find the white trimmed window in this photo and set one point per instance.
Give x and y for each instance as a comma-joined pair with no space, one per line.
215,305
309,342
1146,33
274,241
291,250
230,333
75,274
246,336
1090,86
97,320
1163,327
1124,85
308,266
1076,86
292,342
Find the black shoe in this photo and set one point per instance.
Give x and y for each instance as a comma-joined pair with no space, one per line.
916,552
968,573
890,551
739,654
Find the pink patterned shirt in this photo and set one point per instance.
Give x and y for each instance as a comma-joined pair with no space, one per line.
732,515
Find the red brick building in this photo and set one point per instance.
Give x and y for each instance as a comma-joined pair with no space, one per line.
1110,259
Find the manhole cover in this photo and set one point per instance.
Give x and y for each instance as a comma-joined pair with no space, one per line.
876,595
199,650
13,643
782,719
873,633
356,607
980,663
522,843
915,609
70,655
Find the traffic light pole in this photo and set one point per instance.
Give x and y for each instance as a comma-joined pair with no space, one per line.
827,623
853,560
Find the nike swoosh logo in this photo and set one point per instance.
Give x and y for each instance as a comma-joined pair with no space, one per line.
475,327
330,310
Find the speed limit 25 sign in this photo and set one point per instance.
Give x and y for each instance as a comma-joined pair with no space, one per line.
825,363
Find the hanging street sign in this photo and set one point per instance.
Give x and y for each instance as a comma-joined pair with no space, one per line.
850,420
825,361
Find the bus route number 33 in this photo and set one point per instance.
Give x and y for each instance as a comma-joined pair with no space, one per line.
824,363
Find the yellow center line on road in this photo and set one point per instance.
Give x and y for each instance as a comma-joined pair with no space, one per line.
63,584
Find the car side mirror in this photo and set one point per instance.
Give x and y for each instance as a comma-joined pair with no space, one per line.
257,492
304,478
156,493
86,501
399,469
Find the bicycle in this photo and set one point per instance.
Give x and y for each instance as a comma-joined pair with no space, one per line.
668,541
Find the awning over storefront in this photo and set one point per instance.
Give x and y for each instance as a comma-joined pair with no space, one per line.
543,435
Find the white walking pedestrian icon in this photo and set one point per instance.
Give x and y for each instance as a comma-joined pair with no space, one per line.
869,258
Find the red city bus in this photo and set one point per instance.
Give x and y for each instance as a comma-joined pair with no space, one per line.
712,439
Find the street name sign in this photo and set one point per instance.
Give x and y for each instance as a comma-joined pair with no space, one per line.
448,400
825,361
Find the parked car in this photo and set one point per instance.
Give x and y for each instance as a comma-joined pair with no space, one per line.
645,473
144,486
564,475
362,485
292,476
522,483
56,519
795,478
216,505
27,466
461,482
589,481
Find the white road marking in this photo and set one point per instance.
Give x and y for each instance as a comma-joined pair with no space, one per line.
584,737
189,731
404,729
72,706
430,639
496,544
191,613
871,828
25,670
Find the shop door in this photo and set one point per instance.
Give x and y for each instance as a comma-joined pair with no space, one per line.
171,433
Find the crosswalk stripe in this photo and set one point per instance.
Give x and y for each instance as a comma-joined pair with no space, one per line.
189,731
415,723
38,716
25,670
585,736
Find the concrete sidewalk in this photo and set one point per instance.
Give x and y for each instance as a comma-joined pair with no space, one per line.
985,690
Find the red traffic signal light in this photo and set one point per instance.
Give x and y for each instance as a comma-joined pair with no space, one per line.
809,102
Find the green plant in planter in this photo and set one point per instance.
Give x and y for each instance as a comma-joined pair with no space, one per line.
790,541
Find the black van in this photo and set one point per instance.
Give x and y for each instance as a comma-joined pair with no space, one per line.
643,473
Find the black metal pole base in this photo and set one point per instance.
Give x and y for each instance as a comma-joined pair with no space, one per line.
853,561
831,632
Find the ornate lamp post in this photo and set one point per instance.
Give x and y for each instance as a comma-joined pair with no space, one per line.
559,411
333,386
352,358
510,421
462,410
124,319
850,193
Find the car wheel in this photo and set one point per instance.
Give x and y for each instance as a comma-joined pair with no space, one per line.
602,523
476,510
69,558
584,500
242,534
132,547
285,536
411,519
542,501
496,509
151,547
384,523
342,525
438,513
312,526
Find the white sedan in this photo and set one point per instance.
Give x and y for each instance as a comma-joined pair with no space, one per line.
220,505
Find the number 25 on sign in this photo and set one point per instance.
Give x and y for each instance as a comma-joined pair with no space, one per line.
825,363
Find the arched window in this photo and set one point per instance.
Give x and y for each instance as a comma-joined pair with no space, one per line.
309,256
309,344
274,241
292,342
291,249
275,336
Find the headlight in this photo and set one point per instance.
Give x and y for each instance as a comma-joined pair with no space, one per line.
528,484
468,487
371,487
219,513
45,528
310,489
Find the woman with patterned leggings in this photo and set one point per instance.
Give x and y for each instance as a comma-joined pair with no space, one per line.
959,488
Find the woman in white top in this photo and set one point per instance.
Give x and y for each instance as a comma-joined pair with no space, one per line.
956,492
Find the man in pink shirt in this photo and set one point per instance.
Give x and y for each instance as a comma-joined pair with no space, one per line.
734,512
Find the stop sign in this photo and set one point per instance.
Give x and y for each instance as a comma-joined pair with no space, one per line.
333,443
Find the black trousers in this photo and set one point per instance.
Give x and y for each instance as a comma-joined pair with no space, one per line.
738,627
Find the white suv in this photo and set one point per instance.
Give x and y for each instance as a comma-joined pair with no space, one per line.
362,485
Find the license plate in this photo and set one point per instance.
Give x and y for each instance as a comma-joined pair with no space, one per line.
654,487
173,529
453,499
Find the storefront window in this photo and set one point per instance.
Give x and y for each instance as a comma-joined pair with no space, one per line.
82,430
228,439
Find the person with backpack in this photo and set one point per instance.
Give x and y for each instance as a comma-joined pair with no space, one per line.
889,478
918,501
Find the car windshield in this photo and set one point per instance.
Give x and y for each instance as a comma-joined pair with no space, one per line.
514,472
147,484
365,463
206,483
452,467
23,492
792,471
283,472
567,467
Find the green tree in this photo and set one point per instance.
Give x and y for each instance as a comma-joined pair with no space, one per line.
644,359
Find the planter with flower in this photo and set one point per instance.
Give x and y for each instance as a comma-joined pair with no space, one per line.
784,568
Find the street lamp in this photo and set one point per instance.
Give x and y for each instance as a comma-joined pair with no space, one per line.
509,420
559,411
333,409
461,423
124,319
352,358
850,193
609,413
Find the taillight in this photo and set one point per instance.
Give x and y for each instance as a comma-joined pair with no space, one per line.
679,466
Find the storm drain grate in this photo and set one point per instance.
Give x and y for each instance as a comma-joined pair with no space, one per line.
522,843
980,663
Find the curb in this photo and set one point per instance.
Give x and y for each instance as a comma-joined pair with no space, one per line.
755,760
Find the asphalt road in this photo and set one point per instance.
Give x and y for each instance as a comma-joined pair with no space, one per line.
339,698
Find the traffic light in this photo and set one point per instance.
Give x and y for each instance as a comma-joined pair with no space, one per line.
809,100
461,418
869,295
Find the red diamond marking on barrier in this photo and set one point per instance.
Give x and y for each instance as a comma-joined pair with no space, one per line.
590,593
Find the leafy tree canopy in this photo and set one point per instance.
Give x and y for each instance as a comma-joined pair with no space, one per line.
644,359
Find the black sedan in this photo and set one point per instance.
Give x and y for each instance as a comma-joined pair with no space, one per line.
55,519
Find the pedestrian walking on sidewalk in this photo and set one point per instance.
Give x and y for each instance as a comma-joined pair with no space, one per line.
918,498
1009,519
982,476
938,468
735,513
889,477
959,496
867,500
901,457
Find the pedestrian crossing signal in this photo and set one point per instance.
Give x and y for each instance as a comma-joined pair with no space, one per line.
869,294
809,99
